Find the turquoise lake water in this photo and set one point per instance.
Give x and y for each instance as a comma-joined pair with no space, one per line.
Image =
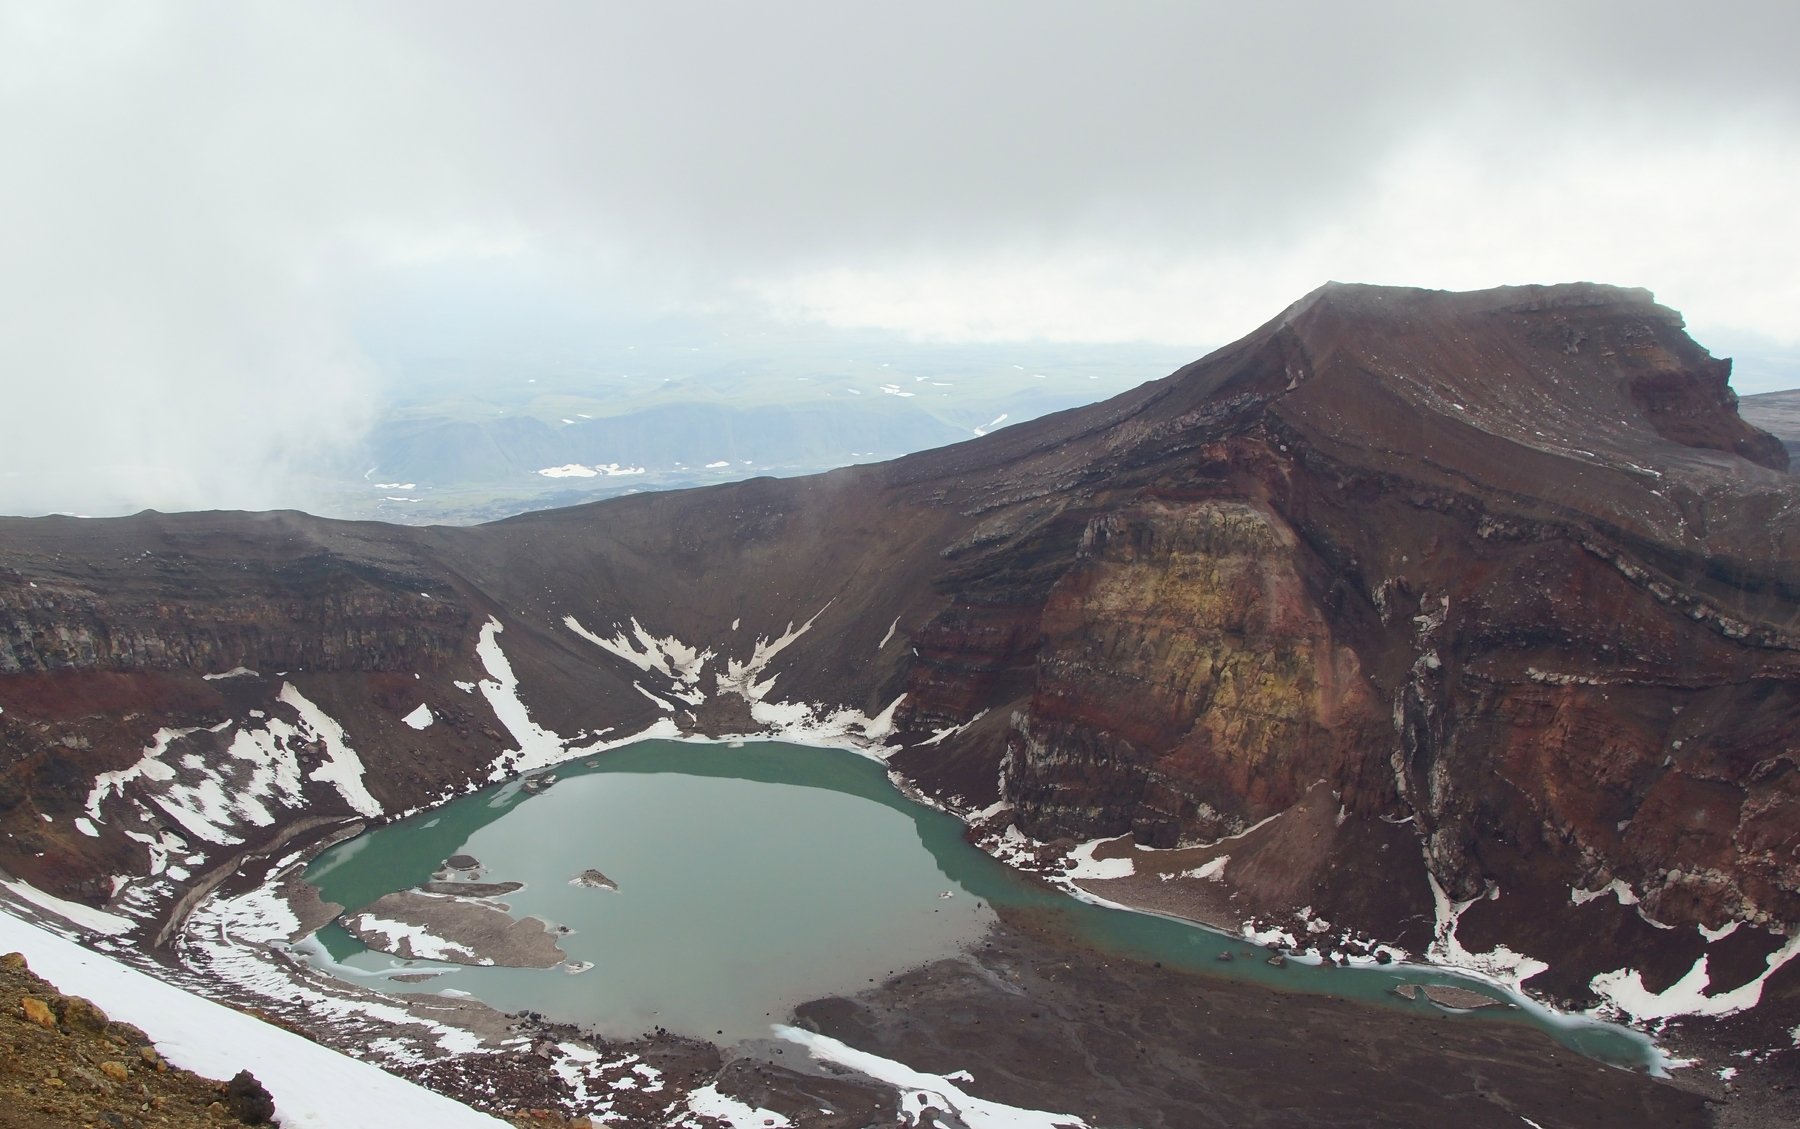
754,878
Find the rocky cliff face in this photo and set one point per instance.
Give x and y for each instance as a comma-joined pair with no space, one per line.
1500,579
1239,696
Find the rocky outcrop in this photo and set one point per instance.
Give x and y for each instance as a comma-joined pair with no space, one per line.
1240,698
68,1064
1501,577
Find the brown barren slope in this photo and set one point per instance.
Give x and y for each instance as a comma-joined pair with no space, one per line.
1503,572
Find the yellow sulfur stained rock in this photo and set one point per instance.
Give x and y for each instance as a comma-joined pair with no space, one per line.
38,1012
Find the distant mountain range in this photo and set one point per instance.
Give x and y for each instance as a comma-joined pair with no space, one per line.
1777,413
499,434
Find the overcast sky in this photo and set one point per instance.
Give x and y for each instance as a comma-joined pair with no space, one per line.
197,199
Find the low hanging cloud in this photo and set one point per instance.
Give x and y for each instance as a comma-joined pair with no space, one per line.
199,199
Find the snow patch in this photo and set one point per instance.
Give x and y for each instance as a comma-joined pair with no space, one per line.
934,1089
1720,933
84,917
419,718
537,746
211,796
342,769
412,942
1213,869
234,672
1500,964
1268,937
1624,991
676,661
1616,888
1087,866
597,470
708,1102
949,731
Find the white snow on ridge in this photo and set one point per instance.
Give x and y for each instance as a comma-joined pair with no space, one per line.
150,766
537,747
935,1089
1711,935
420,718
740,678
314,1087
949,731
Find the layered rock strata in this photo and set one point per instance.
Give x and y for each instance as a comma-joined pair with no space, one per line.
1503,573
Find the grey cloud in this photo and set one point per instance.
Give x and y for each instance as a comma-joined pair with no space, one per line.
195,196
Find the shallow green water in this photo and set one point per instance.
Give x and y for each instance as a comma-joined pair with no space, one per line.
755,878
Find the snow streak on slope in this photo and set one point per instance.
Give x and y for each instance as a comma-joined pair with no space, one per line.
1500,964
919,1089
215,798
682,667
679,663
313,1086
87,917
342,769
1625,993
538,748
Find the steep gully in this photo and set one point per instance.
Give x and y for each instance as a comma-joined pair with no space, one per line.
1469,618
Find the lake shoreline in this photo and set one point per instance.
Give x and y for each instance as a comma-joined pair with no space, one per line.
1043,949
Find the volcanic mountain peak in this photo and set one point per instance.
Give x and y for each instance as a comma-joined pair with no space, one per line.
1596,373
1490,596
1578,399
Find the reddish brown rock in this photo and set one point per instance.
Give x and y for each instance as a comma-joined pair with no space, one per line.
1503,573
